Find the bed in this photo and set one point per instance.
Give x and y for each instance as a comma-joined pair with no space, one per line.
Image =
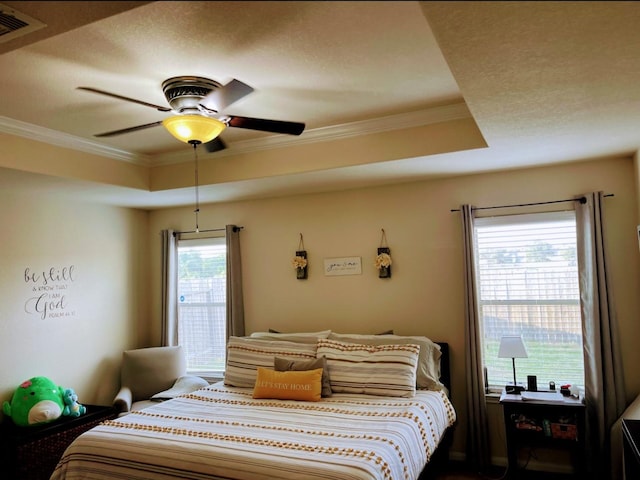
266,422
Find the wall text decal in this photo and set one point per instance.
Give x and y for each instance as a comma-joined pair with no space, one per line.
49,291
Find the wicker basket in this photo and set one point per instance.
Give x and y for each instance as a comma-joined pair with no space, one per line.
34,454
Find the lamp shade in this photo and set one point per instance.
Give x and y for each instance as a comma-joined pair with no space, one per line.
512,346
194,128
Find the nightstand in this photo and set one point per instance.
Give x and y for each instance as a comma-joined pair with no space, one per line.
32,453
551,420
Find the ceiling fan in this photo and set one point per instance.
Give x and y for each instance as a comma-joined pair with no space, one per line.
189,95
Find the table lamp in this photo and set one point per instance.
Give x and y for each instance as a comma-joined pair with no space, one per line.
512,346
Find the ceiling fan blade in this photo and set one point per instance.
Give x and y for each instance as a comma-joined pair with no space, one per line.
120,97
215,145
275,126
220,98
128,130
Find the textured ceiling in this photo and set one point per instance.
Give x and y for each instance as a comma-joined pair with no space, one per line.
476,86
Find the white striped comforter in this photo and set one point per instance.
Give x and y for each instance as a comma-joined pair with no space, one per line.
221,432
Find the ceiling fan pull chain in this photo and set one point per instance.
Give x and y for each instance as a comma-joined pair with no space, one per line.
197,210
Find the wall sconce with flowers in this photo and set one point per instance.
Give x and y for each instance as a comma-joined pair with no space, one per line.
383,259
300,262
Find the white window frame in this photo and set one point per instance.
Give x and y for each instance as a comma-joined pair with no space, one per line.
499,372
216,305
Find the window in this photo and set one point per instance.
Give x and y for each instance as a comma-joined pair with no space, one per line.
202,274
527,277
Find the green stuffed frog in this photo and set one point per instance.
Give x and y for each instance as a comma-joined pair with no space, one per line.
36,401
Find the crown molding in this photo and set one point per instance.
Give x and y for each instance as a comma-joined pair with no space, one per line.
60,139
392,122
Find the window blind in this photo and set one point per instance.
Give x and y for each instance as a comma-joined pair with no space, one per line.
527,277
202,303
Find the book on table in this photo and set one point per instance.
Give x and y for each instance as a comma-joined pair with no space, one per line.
548,397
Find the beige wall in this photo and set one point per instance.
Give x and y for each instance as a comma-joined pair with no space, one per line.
94,287
424,295
113,300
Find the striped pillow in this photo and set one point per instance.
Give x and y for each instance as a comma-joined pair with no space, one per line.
388,370
245,355
428,372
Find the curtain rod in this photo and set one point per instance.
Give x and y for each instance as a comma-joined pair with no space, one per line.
580,199
235,229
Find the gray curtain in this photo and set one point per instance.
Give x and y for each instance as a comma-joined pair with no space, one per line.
235,301
169,289
478,447
604,382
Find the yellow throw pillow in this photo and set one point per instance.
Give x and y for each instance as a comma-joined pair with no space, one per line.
291,385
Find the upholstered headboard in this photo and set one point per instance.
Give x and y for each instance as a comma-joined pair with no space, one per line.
445,366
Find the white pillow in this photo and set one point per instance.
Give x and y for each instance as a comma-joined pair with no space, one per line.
245,355
388,370
428,371
183,385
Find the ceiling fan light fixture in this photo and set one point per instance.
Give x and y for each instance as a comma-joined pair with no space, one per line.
194,128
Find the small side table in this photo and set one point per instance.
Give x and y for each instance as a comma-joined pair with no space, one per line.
32,453
550,421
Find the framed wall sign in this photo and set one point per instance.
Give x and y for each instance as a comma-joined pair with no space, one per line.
342,266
